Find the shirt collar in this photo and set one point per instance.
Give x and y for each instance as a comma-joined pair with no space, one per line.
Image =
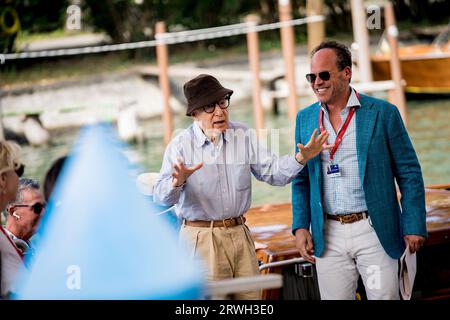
352,101
14,237
228,134
200,137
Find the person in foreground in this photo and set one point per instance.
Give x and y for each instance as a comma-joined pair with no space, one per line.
347,195
24,214
10,256
206,174
52,175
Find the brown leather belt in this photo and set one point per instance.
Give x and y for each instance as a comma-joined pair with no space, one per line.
227,223
349,218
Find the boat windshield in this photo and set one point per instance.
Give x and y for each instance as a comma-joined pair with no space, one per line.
443,37
440,43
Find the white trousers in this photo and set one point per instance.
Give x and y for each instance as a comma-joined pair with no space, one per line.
351,250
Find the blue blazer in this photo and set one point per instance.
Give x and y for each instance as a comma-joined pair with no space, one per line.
385,155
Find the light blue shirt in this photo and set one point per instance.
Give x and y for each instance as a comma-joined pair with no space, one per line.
222,187
344,194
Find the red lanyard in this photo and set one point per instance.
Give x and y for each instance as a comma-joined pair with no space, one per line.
341,132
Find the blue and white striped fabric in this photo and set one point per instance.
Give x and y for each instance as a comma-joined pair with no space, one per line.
221,189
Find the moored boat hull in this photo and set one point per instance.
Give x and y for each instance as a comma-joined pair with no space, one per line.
425,69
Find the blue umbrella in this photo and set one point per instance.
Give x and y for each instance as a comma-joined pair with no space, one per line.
145,183
102,239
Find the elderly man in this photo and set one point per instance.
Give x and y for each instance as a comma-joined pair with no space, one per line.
24,214
206,174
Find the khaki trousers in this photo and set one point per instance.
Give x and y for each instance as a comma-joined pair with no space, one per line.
225,252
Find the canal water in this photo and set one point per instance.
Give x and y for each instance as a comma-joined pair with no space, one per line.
428,126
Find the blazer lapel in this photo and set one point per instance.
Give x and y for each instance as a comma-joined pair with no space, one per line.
315,162
365,122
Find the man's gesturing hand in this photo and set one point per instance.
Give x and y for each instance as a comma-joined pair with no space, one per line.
314,146
182,172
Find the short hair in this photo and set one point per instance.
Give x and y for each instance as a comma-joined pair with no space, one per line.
52,175
26,184
343,54
9,156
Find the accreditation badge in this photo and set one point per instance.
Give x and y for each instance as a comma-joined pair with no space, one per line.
333,171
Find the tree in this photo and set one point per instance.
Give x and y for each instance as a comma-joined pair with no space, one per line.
31,16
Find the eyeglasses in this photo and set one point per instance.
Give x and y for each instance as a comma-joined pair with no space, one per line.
324,75
37,207
223,104
20,170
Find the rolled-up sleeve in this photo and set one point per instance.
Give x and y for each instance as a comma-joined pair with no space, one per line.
164,192
270,168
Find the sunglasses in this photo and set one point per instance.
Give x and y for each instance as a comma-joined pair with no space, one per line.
37,207
324,75
20,170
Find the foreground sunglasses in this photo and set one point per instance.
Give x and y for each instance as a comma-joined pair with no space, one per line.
324,75
37,207
20,170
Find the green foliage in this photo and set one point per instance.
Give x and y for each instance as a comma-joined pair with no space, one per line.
32,16
133,20
42,16
112,16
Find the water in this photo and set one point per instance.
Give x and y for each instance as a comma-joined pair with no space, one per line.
428,126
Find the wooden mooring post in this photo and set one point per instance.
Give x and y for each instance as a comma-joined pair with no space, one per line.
361,36
253,57
2,130
315,30
396,72
288,47
163,66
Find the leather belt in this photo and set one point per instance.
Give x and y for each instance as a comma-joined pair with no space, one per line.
349,218
227,223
